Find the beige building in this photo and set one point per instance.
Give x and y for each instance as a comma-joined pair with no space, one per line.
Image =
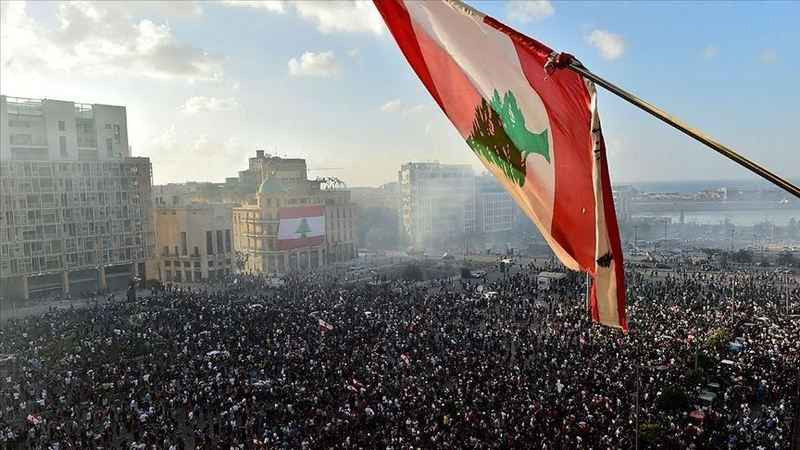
262,165
194,243
75,208
286,188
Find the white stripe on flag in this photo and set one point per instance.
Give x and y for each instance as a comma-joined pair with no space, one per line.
294,229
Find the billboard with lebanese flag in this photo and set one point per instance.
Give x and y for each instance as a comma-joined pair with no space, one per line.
302,226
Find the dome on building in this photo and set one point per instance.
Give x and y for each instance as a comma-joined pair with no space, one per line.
272,186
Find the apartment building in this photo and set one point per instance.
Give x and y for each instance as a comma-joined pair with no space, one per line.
194,243
437,202
494,206
75,207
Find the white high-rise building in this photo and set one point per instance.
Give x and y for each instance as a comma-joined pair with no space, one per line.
75,207
55,130
437,203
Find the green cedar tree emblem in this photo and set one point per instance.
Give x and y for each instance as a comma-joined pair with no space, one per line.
500,137
303,229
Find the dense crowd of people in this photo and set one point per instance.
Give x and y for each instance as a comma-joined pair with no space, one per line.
711,362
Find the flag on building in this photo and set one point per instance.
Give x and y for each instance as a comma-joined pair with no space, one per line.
302,226
537,132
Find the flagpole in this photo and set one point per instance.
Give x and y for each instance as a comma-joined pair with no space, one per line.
576,66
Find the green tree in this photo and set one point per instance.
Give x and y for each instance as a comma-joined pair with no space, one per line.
673,398
303,229
412,272
649,433
743,256
787,259
500,137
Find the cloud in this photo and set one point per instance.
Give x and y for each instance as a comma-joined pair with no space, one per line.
415,109
100,39
312,64
276,6
768,56
182,154
392,105
397,105
354,53
194,105
166,8
611,45
529,10
710,52
331,16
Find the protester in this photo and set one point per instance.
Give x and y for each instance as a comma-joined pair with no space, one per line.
316,364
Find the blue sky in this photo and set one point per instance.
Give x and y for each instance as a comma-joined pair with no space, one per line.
207,83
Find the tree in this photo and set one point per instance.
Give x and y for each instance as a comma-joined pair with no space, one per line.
673,398
788,259
649,433
500,137
412,272
743,256
719,339
303,229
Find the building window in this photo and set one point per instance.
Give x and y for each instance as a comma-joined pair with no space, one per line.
166,251
219,241
178,277
210,263
187,264
183,243
109,147
196,252
176,250
167,263
209,243
21,139
61,126
228,241
62,144
198,276
168,275
117,134
188,276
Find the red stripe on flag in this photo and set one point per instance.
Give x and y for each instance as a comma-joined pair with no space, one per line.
297,212
399,22
564,94
291,244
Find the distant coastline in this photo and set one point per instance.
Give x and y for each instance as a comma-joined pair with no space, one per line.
702,185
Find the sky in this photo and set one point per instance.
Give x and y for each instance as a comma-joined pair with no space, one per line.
205,84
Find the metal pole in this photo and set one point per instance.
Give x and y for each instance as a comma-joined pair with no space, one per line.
588,293
638,365
754,167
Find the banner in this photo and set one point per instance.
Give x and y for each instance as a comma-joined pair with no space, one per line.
302,226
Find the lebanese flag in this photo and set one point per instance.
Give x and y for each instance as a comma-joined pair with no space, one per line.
538,133
302,226
324,327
